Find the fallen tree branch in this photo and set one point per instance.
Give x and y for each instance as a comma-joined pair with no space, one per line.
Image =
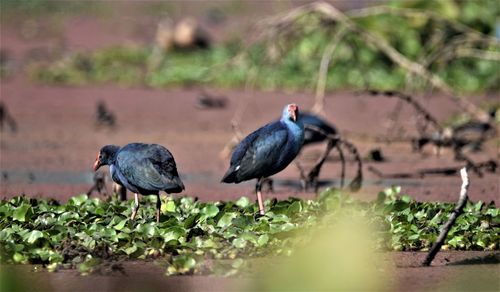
311,178
319,103
342,170
478,54
356,183
413,102
451,50
332,14
451,220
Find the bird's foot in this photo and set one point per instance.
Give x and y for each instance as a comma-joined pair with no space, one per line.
257,216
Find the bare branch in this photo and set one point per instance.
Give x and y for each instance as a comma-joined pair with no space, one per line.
412,101
319,103
330,13
478,54
451,220
356,183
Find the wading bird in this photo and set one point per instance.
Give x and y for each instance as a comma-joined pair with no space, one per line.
144,169
267,151
104,117
311,136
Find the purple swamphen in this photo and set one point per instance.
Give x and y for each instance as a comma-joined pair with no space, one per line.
311,136
144,169
267,151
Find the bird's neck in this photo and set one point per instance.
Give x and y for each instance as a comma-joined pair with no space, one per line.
112,158
296,128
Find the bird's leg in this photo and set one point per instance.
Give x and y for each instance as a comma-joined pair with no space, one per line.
342,159
312,176
91,190
158,208
136,207
258,188
269,183
303,178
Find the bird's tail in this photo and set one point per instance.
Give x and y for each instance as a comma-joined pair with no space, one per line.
178,181
230,176
176,186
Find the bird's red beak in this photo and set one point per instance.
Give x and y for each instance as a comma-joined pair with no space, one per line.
293,109
97,163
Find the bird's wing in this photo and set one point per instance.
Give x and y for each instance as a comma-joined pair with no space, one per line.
164,163
257,153
142,171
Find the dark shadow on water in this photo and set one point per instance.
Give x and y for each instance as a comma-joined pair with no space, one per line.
336,183
296,183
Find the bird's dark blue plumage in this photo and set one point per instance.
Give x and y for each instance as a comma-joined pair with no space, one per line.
310,136
266,151
143,169
146,169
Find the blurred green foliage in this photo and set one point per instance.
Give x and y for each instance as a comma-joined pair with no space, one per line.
479,15
195,237
291,61
32,8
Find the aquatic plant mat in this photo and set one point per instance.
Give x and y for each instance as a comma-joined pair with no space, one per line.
196,237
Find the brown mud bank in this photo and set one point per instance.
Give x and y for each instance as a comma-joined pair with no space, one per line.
451,271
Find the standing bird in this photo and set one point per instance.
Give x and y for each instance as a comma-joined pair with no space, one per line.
267,151
144,169
6,117
104,117
311,136
99,184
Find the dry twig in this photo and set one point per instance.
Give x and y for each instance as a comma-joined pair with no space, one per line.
415,104
333,141
451,220
319,103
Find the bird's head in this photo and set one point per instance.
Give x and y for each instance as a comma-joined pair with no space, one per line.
290,112
105,156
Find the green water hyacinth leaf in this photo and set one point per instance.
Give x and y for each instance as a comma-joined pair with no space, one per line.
226,220
33,236
120,224
194,234
149,229
295,207
172,233
181,264
21,212
210,211
263,240
243,202
19,258
168,207
78,200
130,250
